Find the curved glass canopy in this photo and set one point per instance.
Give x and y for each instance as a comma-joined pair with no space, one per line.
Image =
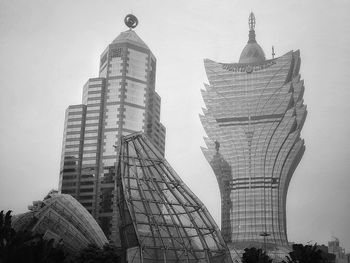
62,218
161,220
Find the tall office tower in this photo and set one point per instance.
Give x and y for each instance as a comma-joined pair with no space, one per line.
253,118
122,100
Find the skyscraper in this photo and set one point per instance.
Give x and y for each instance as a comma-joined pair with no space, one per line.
253,118
122,100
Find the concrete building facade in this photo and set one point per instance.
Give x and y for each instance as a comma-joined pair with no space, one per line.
120,101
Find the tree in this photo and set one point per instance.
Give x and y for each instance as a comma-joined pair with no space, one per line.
6,231
24,246
94,254
305,254
253,255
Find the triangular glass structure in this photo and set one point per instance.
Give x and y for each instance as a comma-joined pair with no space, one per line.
168,222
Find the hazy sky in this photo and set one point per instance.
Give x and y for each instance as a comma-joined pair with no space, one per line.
49,49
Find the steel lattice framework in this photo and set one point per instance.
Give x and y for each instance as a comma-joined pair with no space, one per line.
161,220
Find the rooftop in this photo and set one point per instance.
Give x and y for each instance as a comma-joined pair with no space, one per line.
131,37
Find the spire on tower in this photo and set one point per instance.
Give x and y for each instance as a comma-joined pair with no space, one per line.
251,21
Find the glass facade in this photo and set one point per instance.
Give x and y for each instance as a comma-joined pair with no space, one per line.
253,118
122,100
161,220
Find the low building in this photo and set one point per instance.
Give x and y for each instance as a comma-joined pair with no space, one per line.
327,257
62,218
339,252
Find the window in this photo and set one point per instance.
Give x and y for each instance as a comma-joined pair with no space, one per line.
89,155
74,122
94,101
90,148
135,93
91,96
89,161
93,134
115,66
71,136
90,141
91,128
134,118
72,142
113,90
137,65
95,114
91,108
75,109
92,121
73,129
75,149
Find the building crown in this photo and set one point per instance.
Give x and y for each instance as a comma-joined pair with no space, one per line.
252,52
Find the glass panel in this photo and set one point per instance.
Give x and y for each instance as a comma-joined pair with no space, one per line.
170,221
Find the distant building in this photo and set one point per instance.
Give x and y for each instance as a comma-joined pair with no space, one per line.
327,257
253,118
120,101
339,252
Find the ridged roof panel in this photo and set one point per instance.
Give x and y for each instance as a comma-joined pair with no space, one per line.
130,36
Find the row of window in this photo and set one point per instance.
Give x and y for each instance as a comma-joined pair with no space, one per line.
75,109
74,129
70,149
74,122
115,66
74,117
90,141
94,101
73,136
92,108
88,155
75,142
91,128
90,148
94,121
91,96
89,161
95,88
92,114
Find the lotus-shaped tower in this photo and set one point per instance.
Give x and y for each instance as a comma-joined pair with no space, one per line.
253,118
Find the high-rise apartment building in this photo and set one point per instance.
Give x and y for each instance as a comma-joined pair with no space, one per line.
122,100
253,118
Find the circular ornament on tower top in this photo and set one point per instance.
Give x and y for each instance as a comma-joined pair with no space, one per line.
131,21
